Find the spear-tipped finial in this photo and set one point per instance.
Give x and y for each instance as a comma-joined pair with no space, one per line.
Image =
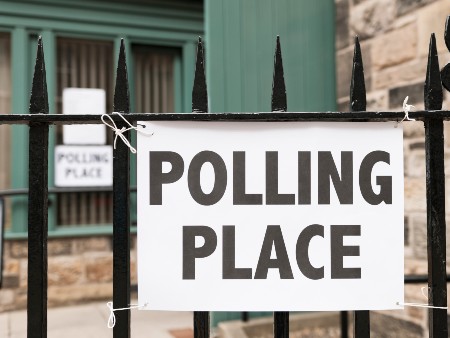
433,95
39,95
279,101
121,91
357,86
199,90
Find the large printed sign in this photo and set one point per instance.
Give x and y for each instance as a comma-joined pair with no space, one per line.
270,216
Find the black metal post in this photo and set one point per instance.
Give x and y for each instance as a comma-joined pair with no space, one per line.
38,204
435,180
200,105
358,103
279,103
121,206
344,324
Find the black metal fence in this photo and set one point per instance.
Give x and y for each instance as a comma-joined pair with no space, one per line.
39,120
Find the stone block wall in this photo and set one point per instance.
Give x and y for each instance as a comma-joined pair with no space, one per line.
394,37
79,270
319,324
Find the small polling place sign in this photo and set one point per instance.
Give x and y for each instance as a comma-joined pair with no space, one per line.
270,216
83,166
83,160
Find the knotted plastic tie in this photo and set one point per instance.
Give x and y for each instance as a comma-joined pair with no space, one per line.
119,132
112,316
407,108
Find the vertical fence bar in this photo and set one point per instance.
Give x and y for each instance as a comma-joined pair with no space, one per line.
200,105
38,204
435,180
344,324
279,103
358,103
121,206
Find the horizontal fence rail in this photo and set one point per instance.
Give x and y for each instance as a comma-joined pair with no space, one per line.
362,116
24,191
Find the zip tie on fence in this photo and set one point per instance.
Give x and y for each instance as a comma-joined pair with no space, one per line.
119,132
423,305
112,317
406,108
422,289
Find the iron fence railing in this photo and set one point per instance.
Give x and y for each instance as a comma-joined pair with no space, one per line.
4,194
39,121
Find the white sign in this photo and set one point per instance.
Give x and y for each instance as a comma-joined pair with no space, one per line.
261,216
83,166
84,101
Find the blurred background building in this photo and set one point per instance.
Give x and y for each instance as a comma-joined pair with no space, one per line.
81,44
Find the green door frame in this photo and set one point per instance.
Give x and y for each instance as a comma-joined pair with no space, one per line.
161,25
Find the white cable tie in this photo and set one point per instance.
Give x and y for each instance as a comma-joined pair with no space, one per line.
423,305
112,316
406,109
423,291
119,132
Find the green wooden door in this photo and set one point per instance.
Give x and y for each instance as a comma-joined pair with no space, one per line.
240,46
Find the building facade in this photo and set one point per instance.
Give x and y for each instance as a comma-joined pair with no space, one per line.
394,38
81,43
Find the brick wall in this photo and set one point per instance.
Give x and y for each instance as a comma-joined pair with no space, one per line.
79,269
394,36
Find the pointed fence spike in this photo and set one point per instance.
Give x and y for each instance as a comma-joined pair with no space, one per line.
39,95
200,105
357,86
279,101
433,94
37,280
199,89
358,103
121,91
